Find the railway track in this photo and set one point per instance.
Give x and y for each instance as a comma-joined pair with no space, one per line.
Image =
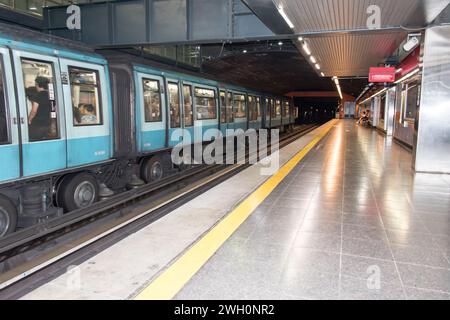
34,256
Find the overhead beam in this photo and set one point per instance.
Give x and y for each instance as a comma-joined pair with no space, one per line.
153,22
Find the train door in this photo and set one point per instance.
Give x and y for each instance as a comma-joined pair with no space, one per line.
87,109
9,134
230,112
41,111
175,112
188,112
151,112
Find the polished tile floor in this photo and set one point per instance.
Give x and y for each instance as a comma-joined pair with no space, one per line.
352,221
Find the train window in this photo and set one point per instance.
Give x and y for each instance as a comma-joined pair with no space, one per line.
3,114
41,100
272,108
152,100
277,108
223,107
205,104
84,87
174,105
230,114
252,108
188,107
240,108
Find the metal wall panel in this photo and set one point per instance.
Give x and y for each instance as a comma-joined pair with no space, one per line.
96,21
210,19
128,30
432,149
168,20
249,26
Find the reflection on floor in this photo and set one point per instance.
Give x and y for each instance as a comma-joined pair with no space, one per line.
352,221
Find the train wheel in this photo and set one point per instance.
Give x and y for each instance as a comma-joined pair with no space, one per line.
78,191
152,169
8,216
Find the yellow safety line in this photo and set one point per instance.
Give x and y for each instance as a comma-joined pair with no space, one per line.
173,279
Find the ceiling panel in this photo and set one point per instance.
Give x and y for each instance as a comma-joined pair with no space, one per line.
325,15
331,25
352,54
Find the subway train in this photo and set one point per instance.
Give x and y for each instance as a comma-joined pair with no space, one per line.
77,126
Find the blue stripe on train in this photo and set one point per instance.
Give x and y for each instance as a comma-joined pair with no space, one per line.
88,150
152,140
9,162
41,157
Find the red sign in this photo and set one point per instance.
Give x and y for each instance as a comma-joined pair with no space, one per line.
382,74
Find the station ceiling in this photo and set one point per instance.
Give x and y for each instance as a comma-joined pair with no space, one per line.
336,31
279,72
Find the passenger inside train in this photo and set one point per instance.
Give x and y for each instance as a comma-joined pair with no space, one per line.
39,118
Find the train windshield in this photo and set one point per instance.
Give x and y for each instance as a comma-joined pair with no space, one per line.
205,103
239,106
3,113
152,100
41,100
84,86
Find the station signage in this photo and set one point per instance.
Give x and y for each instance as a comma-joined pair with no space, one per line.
385,74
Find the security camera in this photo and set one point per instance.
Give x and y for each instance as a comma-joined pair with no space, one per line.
411,43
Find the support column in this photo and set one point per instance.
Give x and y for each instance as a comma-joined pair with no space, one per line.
432,126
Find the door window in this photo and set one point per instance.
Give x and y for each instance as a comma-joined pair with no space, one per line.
40,95
240,107
152,100
229,104
84,88
223,107
188,106
4,139
174,105
277,108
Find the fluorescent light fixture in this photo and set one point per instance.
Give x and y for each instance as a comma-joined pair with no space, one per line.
375,94
313,60
306,49
322,74
244,51
317,66
285,17
398,70
409,75
300,38
336,81
280,43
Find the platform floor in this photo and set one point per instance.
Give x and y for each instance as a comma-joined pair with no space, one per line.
351,221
